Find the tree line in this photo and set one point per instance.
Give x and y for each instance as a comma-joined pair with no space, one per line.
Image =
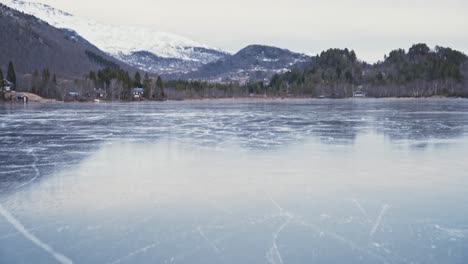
118,84
418,72
335,73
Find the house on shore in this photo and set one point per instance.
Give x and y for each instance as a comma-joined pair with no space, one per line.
6,86
359,94
22,98
100,93
138,93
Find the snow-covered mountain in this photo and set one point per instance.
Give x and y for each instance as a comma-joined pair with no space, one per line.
31,44
147,49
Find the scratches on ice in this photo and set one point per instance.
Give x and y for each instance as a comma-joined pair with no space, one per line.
340,239
29,236
378,220
212,245
241,227
361,208
275,203
34,167
273,255
453,232
134,253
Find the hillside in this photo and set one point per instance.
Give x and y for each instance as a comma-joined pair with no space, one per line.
417,72
33,44
255,62
148,49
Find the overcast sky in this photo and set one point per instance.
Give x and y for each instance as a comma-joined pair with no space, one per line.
371,27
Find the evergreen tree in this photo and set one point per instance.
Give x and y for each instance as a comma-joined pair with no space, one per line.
53,87
137,80
35,82
127,85
11,75
1,78
160,85
44,89
93,77
147,85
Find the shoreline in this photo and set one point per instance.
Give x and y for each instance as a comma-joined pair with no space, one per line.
310,98
38,99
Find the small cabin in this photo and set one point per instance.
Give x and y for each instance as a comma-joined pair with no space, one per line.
359,94
6,86
22,98
73,94
100,93
138,93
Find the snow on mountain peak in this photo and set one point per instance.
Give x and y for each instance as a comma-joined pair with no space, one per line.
118,40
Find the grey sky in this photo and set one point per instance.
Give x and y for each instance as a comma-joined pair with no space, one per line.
371,27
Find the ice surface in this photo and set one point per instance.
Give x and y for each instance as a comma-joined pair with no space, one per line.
296,181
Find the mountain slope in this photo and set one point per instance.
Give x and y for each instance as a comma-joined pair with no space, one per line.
126,43
33,44
255,62
153,63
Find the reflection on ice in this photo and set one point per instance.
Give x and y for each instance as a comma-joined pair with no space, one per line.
178,203
357,181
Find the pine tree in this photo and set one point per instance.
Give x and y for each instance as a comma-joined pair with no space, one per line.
35,82
53,87
147,84
93,78
1,78
127,83
160,85
137,80
44,91
11,75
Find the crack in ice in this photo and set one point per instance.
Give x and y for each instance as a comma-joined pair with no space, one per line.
212,245
34,167
378,220
274,251
29,236
361,208
136,252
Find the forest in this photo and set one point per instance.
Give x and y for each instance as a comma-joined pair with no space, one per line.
420,72
334,73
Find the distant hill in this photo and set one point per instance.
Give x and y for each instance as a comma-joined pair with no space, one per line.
32,44
255,62
166,66
418,72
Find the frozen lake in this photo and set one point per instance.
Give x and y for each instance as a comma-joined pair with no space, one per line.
238,182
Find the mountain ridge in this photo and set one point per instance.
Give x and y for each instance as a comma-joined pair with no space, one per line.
255,62
123,42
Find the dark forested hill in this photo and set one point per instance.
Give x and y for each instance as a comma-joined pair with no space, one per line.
255,62
32,44
419,71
